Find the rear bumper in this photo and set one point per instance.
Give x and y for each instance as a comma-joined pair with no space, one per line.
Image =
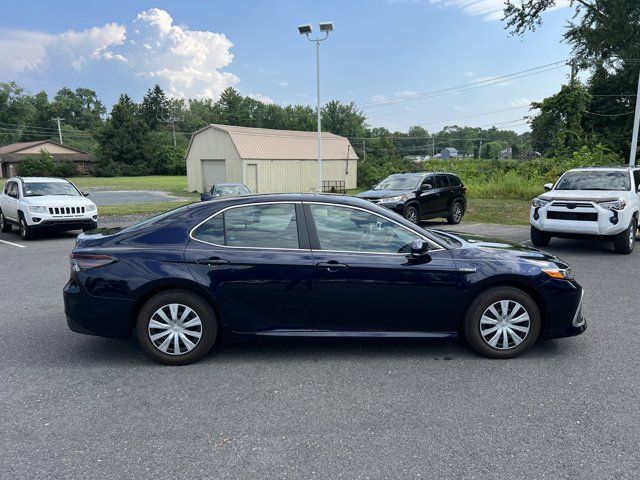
104,317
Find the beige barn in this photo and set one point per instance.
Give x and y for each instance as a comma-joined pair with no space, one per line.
268,161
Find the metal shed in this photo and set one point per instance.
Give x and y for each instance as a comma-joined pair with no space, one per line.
268,161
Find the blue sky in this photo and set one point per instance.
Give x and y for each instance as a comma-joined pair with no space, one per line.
380,49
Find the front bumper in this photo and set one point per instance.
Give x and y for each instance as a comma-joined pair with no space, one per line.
579,218
65,224
565,317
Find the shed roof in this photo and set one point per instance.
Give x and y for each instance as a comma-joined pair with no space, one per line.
264,143
17,147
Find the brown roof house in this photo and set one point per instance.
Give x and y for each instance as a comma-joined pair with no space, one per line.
12,155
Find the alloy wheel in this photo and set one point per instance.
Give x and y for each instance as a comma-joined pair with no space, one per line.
412,216
175,329
505,324
632,235
457,212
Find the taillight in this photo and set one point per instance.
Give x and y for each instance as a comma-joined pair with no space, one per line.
81,261
464,189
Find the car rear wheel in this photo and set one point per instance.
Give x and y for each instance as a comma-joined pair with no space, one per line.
411,214
502,322
455,216
176,327
626,240
4,225
539,238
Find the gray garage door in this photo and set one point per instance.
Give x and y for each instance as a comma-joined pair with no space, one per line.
213,171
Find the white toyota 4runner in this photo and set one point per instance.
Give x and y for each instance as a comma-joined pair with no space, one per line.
589,202
40,204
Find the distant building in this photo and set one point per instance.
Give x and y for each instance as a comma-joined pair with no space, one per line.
506,154
417,158
449,152
11,156
268,160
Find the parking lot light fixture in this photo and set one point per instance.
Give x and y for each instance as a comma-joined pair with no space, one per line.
325,28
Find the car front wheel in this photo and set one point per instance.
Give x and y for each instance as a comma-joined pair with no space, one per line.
502,322
539,238
626,240
25,231
411,214
176,327
4,225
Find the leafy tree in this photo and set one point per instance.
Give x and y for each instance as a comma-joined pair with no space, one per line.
123,142
154,107
343,119
80,109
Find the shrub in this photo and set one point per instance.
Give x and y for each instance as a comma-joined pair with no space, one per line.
45,166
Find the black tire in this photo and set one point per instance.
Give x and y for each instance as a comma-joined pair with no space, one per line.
456,213
539,238
26,233
5,226
411,213
481,304
208,328
626,240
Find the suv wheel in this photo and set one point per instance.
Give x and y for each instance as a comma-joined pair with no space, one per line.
25,231
539,238
411,214
176,327
455,216
5,226
626,240
502,322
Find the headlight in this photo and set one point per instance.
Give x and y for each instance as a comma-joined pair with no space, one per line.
539,202
615,205
36,209
554,270
398,199
90,208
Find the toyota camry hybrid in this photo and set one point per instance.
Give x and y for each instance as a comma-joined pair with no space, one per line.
310,265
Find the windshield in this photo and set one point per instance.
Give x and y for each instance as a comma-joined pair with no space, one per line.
36,189
594,181
408,182
226,190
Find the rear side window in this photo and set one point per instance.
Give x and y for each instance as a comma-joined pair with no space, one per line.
254,226
636,178
454,181
443,181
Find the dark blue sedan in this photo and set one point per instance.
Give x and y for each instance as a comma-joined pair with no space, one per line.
309,265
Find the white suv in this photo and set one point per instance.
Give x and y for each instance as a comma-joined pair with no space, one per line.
40,203
589,202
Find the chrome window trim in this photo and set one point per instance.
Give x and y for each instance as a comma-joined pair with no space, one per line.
285,202
431,242
300,202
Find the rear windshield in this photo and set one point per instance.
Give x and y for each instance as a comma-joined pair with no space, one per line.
605,180
398,182
155,219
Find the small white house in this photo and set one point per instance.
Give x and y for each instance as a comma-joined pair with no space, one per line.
268,161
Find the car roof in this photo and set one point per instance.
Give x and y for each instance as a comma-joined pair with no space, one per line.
230,184
41,179
422,174
285,197
621,168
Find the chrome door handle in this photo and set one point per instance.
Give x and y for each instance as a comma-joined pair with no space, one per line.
332,266
213,261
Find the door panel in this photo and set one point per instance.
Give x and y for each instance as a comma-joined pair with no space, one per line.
252,177
428,198
260,284
385,290
213,172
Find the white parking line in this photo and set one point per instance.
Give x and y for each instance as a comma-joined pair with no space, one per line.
14,244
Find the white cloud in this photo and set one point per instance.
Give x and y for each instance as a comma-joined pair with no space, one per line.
458,108
283,84
378,98
490,10
406,93
185,62
520,102
261,98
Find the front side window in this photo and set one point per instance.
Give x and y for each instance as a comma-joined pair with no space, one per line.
636,177
257,226
8,188
36,189
351,230
590,180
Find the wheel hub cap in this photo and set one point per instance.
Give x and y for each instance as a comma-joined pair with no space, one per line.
505,324
175,329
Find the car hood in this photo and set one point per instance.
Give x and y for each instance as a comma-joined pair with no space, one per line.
586,195
481,247
375,194
58,201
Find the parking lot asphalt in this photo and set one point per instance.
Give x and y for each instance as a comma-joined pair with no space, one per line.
123,197
74,406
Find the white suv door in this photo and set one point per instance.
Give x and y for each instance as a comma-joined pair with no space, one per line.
10,200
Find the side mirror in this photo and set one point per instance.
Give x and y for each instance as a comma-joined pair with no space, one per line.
425,187
548,186
86,194
419,249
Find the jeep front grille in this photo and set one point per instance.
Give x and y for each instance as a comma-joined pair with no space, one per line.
66,210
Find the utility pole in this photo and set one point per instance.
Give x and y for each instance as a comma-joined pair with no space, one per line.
171,119
433,145
364,151
636,124
480,150
58,119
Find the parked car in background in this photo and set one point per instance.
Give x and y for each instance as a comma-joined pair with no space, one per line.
311,265
594,202
225,190
421,196
36,204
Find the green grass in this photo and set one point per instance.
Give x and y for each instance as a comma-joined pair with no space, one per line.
505,212
174,184
139,208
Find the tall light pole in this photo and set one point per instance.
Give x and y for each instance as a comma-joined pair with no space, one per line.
636,126
325,28
58,119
